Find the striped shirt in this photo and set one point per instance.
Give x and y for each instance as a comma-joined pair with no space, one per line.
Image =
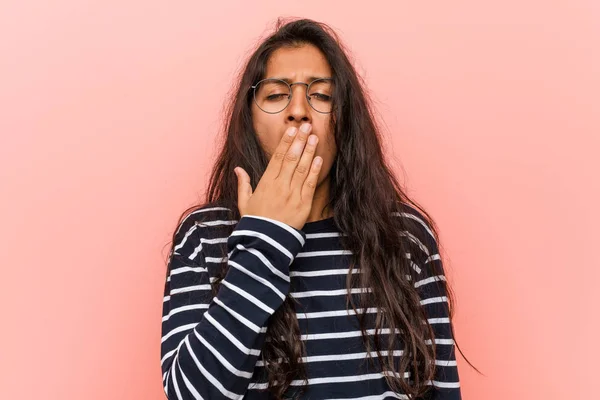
210,346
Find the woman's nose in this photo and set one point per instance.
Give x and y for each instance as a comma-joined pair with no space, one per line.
299,109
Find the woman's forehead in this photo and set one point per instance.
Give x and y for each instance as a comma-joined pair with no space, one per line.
297,64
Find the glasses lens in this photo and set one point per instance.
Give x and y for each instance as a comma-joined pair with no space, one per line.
320,95
272,95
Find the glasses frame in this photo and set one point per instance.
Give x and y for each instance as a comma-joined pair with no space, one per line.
308,85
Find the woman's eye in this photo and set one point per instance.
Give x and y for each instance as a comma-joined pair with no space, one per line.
275,97
320,96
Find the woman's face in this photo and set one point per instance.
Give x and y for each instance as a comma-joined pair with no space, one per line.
297,65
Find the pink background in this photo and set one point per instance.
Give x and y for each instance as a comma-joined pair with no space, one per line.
108,112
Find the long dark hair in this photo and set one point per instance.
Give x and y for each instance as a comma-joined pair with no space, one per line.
364,195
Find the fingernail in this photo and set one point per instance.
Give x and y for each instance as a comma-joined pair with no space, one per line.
305,128
312,139
292,131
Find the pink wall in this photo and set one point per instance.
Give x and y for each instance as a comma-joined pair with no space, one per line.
107,117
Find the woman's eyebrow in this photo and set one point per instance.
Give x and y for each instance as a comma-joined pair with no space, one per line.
309,79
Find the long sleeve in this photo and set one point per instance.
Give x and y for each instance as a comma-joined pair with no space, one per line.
431,287
210,345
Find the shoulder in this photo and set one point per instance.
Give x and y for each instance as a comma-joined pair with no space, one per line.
418,220
205,215
206,221
419,228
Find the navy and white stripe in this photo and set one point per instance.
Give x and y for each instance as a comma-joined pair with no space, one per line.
210,346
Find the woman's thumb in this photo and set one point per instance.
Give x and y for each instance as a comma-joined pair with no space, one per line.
244,187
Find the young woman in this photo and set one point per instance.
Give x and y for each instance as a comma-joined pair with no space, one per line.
308,272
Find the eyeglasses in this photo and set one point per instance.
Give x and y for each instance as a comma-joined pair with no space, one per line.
273,95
